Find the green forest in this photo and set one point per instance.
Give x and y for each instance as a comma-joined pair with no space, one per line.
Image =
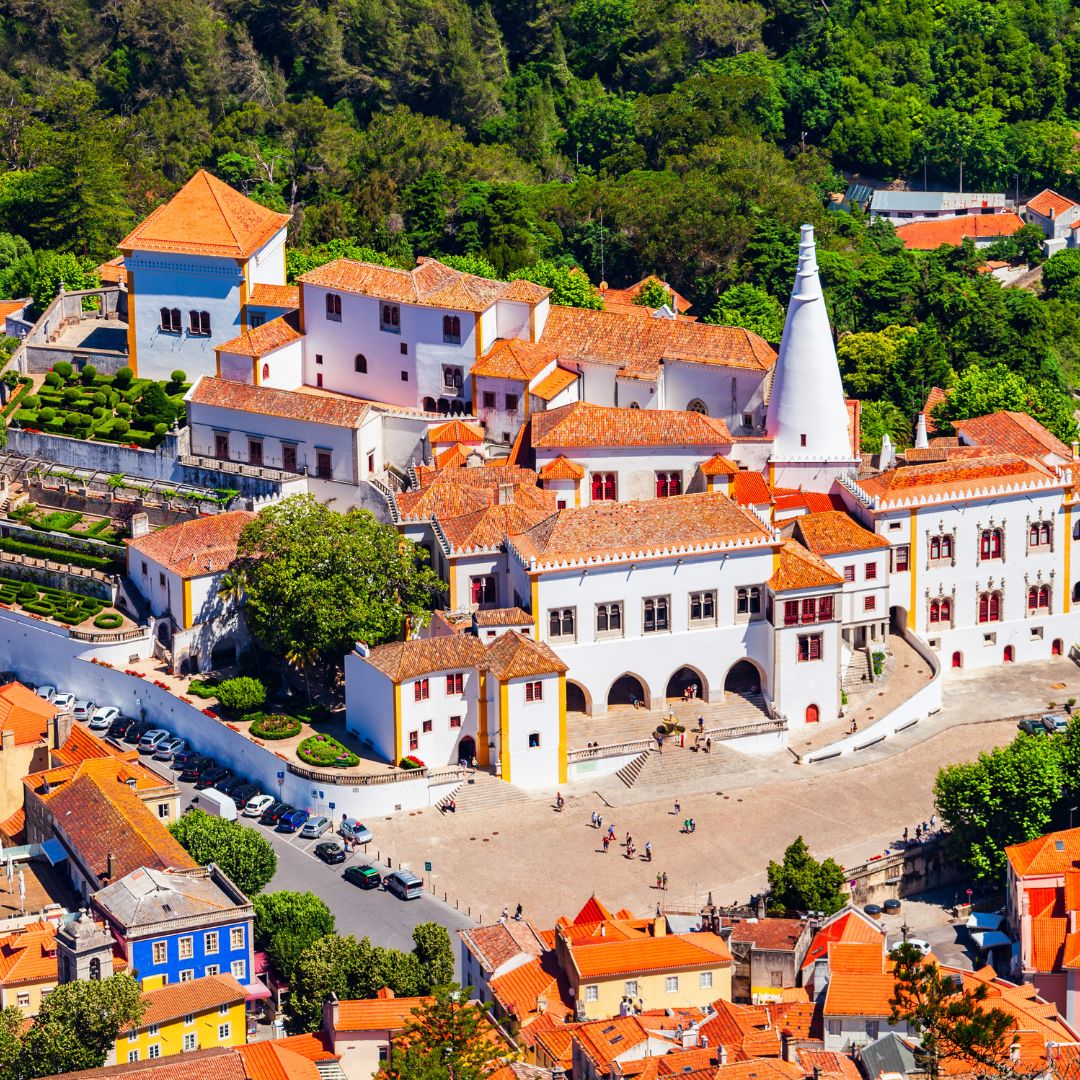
686,138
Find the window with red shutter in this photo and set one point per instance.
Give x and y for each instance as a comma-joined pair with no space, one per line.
825,609
791,612
809,611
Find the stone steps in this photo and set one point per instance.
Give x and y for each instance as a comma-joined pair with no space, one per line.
482,791
858,675
629,773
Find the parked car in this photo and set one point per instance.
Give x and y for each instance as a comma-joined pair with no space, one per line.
119,727
363,876
83,709
272,814
292,821
1055,723
244,794
152,739
1032,727
46,692
351,829
168,748
64,702
229,784
103,718
404,884
212,777
257,806
195,767
315,828
330,851
181,758
922,946
136,731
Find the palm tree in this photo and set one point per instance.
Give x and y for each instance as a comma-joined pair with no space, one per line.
302,657
231,586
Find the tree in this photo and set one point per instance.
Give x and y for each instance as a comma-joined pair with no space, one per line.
242,694
77,1026
570,286
801,883
155,406
431,946
243,855
654,294
953,1022
867,360
920,365
287,923
326,580
751,308
40,273
446,1038
879,417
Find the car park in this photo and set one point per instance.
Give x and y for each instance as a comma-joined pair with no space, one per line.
64,702
272,814
212,777
924,947
152,739
83,709
404,884
195,767
331,852
363,876
351,829
168,749
181,758
257,806
244,794
229,784
292,821
119,727
136,731
103,718
315,828
46,692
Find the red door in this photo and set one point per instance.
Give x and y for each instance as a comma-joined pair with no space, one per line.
1057,647
812,714
957,660
1009,654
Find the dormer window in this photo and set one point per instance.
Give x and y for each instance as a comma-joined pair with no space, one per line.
333,307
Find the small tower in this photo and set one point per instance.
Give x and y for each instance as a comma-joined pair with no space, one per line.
921,441
808,416
887,458
84,950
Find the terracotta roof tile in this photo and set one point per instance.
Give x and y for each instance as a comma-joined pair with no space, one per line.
455,431
487,529
859,994
592,911
1049,204
206,217
562,468
170,1002
270,1060
83,745
672,952
384,1012
608,530
109,273
604,1040
750,489
554,383
314,1047
493,945
772,934
801,569
759,1069
335,410
583,425
205,545
515,656
1048,943
29,955
1072,890
826,1063
833,532
449,493
24,714
856,957
1014,432
266,339
628,295
814,502
846,926
930,235
718,465
556,1041
274,296
513,358
404,660
534,986
1051,854
512,616
217,1063
13,829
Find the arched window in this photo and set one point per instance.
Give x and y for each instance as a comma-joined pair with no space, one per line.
451,329
95,968
941,547
266,372
941,611
698,406
992,544
360,364
1038,597
333,307
989,607
1040,534
429,404
634,405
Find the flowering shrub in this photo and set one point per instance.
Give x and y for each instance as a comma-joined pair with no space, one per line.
411,762
324,750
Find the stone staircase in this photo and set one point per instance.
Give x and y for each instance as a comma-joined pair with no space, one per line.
629,773
742,709
859,673
679,770
483,791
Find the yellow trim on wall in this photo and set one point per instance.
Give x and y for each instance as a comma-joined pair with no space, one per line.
772,474
534,596
913,553
577,492
397,723
483,752
504,730
133,352
479,339
187,603
1068,558
452,575
562,729
217,361
245,290
255,371
532,322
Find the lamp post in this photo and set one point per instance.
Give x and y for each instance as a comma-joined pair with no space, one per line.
904,930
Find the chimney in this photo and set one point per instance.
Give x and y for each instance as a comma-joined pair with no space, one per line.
721,1054
659,926
506,494
110,865
140,525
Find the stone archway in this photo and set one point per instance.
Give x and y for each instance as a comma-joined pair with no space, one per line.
687,677
577,699
627,689
744,677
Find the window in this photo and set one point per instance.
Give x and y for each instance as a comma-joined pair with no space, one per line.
671,984
288,458
426,726
318,359
791,612
592,992
390,318
187,948
455,722
224,1031
236,938
455,684
872,1028
421,690
384,1052
747,419
609,619
161,580
404,352
23,998
698,406
747,602
561,623
324,468
869,603
333,307
489,399
656,615
191,1041
144,568
159,952
511,402
900,558
630,988
871,571
239,969
941,548
990,607
668,483
95,969
703,607
452,378
318,380
189,1019
835,1027
849,573
603,487
404,376
991,544
809,647
187,975
534,740
483,590
257,318
212,969
133,1055
534,691
1041,534
802,440
360,364
451,329
170,320
210,942
152,1029
265,372
941,611
705,980
255,452
1038,597
199,323
414,740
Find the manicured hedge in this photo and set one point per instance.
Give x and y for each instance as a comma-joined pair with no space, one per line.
325,750
109,620
61,555
274,726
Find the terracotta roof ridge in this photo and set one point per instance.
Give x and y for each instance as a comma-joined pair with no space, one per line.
221,208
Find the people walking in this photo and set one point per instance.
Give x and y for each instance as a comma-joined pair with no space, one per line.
933,821
558,800
518,913
660,743
648,851
505,915
905,834
594,817
658,886
605,842
701,723
663,881
678,808
611,831
693,825
599,821
708,746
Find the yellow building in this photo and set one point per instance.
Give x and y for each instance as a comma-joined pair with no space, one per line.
186,1016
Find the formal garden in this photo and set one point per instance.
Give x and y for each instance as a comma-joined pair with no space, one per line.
69,608
116,408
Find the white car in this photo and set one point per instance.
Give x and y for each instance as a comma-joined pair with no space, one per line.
917,943
83,710
46,692
64,702
103,718
258,806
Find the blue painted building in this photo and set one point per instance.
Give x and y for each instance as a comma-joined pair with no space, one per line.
177,925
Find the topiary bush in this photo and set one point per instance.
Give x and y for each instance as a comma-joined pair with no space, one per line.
120,426
47,414
160,429
52,379
98,414
88,374
72,394
275,726
325,750
123,409
178,377
63,369
99,399
109,620
242,695
31,401
123,378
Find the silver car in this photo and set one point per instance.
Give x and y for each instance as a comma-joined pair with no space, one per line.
83,710
165,750
315,827
46,692
150,742
352,829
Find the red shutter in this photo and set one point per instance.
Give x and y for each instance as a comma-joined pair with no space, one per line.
825,609
791,612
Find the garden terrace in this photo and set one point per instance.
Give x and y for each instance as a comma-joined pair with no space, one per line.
73,610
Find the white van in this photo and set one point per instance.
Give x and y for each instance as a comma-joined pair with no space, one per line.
215,803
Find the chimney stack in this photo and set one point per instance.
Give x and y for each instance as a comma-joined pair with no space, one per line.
140,525
110,865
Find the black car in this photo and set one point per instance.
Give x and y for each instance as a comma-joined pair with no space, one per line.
363,876
1032,727
230,784
184,758
243,794
136,731
212,777
119,727
273,815
330,851
195,767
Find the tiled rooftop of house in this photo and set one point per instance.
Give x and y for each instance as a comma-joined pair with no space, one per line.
780,934
1015,433
452,492
28,955
562,468
515,656
274,296
334,410
265,339
174,1000
833,532
513,358
798,568
24,714
1053,853
217,1063
583,425
204,545
384,1012
930,235
1049,204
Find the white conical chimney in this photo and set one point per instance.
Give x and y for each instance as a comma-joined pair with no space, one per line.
921,441
808,418
888,455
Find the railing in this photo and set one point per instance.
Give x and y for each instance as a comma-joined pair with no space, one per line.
590,753
388,498
58,567
448,775
139,633
345,779
741,731
240,468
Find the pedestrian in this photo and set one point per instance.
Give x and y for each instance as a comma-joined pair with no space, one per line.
918,834
933,821
629,840
648,851
558,800
660,743
701,723
708,746
605,842
678,808
629,851
505,915
611,831
474,762
593,819
905,834
663,880
517,913
599,821
658,886
686,826
693,825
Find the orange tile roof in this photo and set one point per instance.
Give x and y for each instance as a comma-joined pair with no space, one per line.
759,1069
1072,890
13,829
83,745
638,346
109,273
217,1063
1053,853
274,296
495,944
859,994
812,501
270,1060
801,569
955,478
555,1040
562,468
827,1063
554,383
206,217
29,955
848,926
24,714
450,493
856,957
631,292
769,934
314,1047
384,1012
511,616
1049,204
583,425
170,1002
205,545
403,660
609,530
485,530
1014,432
428,284
930,235
797,1018
1048,942
266,339
604,1040
532,987
592,911
672,952
453,456
832,532
515,656
750,489
513,358
718,465
336,410
455,431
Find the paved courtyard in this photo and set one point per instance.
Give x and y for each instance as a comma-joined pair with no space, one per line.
850,808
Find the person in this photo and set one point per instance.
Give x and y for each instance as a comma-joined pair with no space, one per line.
593,819
605,842
708,746
648,851
634,701
933,821
517,913
905,834
474,761
558,800
660,743
678,808
658,886
686,826
629,840
505,915
611,831
629,851
853,726
701,723
918,834
663,879
693,690
452,806
599,821
693,825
